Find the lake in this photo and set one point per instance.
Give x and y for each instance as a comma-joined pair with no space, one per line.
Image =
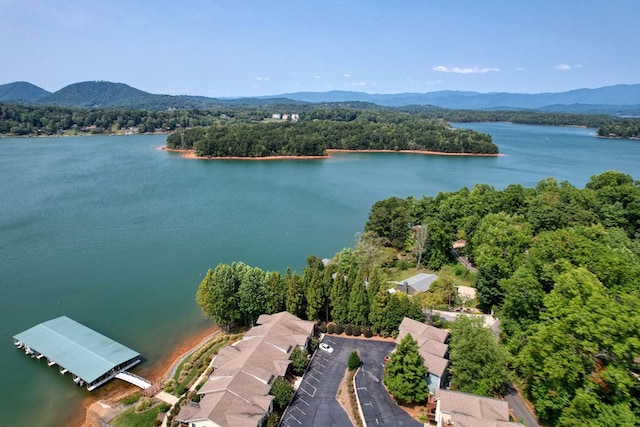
117,234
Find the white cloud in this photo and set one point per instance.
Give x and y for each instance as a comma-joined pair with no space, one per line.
359,84
434,82
347,75
521,69
316,77
467,70
563,67
260,79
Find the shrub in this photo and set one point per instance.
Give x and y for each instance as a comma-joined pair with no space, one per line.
298,361
368,333
354,361
331,328
339,329
357,330
164,407
157,422
196,398
132,398
348,329
273,420
322,327
313,345
170,386
282,392
144,404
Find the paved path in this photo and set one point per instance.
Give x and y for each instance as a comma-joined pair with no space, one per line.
463,261
519,409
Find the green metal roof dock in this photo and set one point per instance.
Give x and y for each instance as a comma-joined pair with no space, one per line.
90,357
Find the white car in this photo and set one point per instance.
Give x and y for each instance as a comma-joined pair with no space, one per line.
326,347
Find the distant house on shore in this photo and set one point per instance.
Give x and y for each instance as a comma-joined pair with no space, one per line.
418,283
455,408
432,347
237,392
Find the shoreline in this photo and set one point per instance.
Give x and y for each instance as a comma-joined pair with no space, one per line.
190,154
158,372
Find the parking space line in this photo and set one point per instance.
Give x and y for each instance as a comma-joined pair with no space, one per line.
314,390
312,377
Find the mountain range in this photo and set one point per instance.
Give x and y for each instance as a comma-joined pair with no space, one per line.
620,99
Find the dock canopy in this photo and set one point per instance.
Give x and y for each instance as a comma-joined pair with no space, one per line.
91,357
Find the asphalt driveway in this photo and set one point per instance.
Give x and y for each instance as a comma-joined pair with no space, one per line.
315,404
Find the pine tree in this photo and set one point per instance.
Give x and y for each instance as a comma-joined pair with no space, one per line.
359,303
378,310
406,374
340,299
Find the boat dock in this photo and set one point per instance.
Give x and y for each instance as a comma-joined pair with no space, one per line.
90,357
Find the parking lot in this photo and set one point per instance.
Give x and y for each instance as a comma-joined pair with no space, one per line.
315,404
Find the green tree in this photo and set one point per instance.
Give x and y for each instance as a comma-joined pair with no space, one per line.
299,360
359,303
252,295
340,299
295,294
217,295
390,220
276,292
282,392
478,363
354,361
406,374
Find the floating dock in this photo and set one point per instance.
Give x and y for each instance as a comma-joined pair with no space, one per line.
89,356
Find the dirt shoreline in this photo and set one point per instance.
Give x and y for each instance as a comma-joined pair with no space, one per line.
190,154
116,390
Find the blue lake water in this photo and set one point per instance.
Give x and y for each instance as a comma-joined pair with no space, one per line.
116,234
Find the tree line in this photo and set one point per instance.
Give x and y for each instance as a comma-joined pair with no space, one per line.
17,119
336,292
313,136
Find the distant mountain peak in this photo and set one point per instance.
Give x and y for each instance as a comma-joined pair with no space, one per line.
21,91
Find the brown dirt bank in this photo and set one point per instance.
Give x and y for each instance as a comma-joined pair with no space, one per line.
190,154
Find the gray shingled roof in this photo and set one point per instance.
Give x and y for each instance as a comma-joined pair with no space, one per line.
81,350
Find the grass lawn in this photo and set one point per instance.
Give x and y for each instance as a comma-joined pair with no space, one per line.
130,418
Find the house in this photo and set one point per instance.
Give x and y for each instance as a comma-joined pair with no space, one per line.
418,283
433,349
236,394
276,116
459,409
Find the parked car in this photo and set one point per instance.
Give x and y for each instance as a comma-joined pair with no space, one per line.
326,347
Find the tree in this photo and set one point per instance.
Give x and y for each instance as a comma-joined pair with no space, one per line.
354,361
295,294
406,374
252,295
359,303
276,292
340,299
478,363
421,235
299,361
217,295
390,220
282,392
378,308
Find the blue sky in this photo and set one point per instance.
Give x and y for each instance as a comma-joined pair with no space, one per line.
245,48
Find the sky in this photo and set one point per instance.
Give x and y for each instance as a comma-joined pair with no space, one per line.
233,48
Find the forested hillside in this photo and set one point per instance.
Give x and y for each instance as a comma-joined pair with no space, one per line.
558,265
323,129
